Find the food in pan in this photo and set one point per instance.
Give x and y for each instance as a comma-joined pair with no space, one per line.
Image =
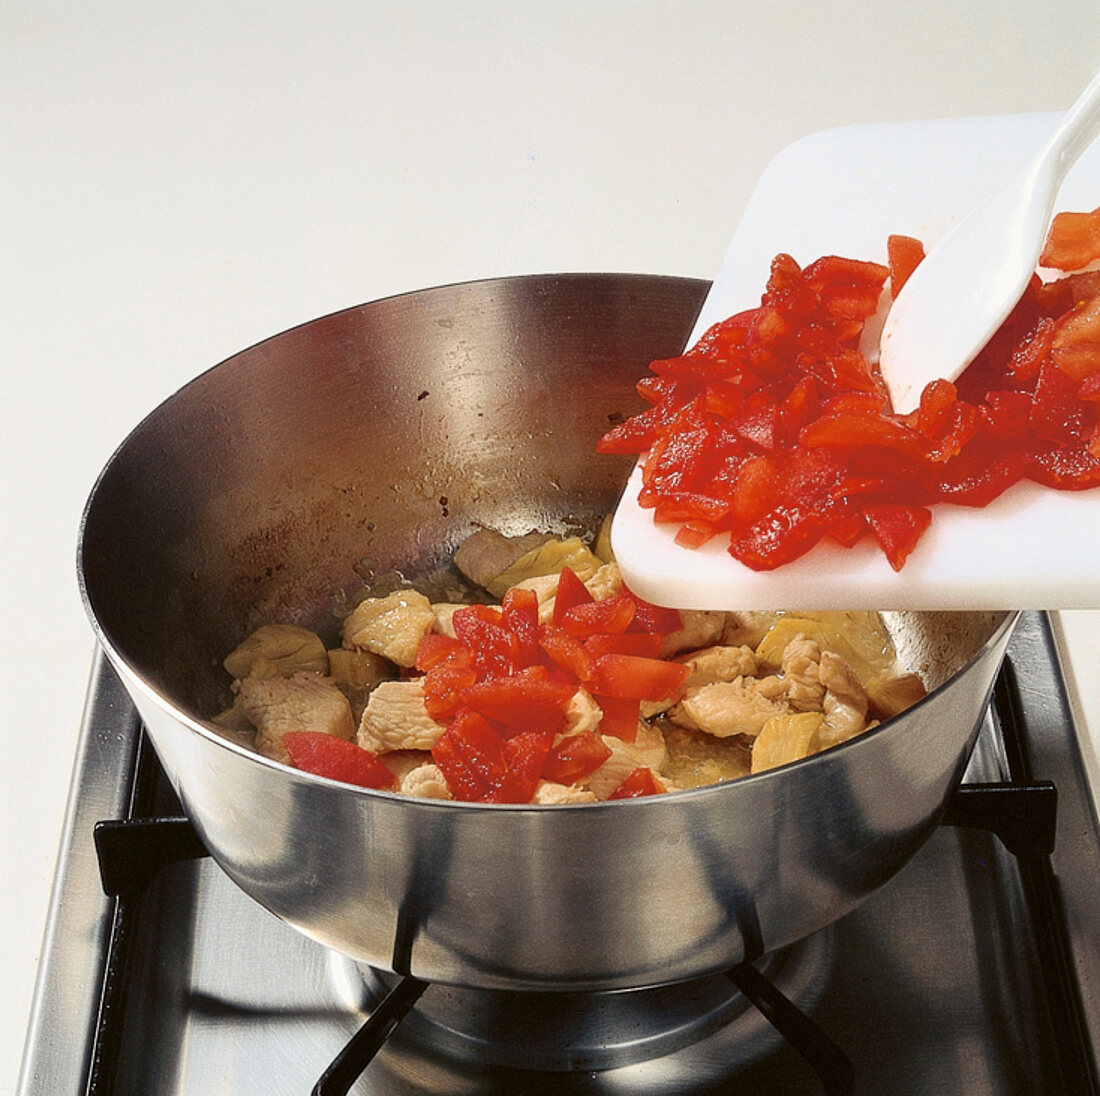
775,429
558,686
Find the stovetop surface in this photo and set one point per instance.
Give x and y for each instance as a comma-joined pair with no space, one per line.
950,979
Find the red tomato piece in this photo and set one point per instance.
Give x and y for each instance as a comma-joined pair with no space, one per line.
850,428
574,758
638,783
336,758
632,678
1065,467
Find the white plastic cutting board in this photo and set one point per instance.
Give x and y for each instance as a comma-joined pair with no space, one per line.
843,192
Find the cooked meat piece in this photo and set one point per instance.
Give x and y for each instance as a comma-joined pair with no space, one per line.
301,702
727,708
701,628
747,628
801,664
390,626
395,719
356,673
606,582
550,794
485,554
845,704
426,781
444,611
546,588
707,666
286,648
583,714
647,750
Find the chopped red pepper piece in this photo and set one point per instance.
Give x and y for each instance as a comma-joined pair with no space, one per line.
638,783
620,716
526,701
904,254
574,758
570,593
611,614
632,678
1073,241
336,758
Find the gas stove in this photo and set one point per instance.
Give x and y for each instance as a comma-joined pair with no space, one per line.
976,969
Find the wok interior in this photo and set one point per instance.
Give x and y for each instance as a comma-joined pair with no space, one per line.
375,440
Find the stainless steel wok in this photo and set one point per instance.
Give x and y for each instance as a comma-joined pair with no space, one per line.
377,438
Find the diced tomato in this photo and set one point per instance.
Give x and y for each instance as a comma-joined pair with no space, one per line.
336,758
694,533
574,758
632,678
855,429
784,534
638,783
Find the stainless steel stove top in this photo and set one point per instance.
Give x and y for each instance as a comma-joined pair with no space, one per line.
973,971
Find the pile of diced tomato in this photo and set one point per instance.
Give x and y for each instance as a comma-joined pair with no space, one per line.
776,431
504,683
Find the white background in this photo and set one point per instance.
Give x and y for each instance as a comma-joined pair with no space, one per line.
180,180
